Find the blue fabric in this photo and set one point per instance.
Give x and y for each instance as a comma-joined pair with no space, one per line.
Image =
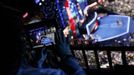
43,58
62,44
73,64
66,54
73,8
36,71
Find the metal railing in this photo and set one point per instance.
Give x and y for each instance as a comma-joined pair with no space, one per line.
107,53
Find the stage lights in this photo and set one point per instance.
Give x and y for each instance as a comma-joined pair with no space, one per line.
37,1
40,4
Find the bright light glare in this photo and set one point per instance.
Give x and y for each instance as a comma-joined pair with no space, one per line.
40,3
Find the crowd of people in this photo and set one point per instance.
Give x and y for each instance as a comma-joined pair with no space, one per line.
103,59
116,57
91,59
130,57
123,7
79,56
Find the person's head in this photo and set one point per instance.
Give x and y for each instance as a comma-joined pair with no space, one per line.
101,1
99,4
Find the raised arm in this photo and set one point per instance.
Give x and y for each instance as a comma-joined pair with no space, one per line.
93,5
89,7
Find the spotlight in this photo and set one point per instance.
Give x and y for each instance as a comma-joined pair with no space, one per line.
37,1
40,4
42,0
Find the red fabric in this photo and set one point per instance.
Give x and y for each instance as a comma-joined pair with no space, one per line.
96,26
97,23
66,4
72,23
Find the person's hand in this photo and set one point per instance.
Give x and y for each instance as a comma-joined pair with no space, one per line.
66,31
